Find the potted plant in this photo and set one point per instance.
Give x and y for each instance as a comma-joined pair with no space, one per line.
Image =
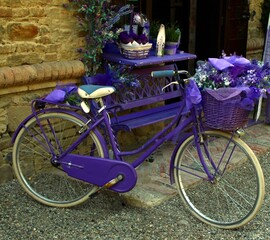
153,33
97,19
173,35
154,28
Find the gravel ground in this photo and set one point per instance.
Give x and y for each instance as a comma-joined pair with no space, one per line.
106,217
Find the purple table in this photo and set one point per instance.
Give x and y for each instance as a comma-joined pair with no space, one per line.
150,60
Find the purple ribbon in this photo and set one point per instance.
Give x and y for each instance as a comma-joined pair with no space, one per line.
237,60
225,94
56,95
219,63
193,94
226,62
59,94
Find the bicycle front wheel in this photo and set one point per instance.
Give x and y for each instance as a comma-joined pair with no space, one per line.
231,194
32,154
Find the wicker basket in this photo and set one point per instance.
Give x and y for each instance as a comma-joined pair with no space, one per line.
223,115
132,52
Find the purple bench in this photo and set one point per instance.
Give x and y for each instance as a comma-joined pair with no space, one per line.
147,104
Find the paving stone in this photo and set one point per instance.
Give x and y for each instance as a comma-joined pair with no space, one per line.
153,187
6,173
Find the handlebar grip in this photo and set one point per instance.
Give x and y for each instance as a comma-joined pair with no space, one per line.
164,73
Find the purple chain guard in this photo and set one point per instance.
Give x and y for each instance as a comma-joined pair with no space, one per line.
99,171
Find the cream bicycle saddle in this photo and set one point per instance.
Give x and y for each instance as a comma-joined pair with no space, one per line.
95,91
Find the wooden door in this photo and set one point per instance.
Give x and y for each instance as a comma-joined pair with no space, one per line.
221,25
236,26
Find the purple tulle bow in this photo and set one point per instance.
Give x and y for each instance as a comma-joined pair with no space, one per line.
59,94
193,94
219,63
226,62
237,60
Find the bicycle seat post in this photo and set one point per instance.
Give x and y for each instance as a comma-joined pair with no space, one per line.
101,104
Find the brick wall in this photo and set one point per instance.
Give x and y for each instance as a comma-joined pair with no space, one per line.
36,31
38,42
255,42
18,87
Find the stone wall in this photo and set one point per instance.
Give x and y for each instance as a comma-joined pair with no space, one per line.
38,49
255,42
36,31
18,87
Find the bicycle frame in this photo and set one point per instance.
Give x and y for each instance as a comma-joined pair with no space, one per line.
62,156
172,131
181,122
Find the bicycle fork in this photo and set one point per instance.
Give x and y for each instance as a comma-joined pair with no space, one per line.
218,169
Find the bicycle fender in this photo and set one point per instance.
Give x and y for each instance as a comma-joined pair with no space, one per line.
20,127
57,110
35,114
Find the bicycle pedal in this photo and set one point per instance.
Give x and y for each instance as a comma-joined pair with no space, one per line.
113,181
107,185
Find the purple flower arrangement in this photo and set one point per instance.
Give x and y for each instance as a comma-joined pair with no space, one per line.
130,37
232,71
250,79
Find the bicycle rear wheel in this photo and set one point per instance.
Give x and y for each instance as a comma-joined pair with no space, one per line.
42,180
235,194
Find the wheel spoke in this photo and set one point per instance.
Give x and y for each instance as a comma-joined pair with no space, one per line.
234,195
32,159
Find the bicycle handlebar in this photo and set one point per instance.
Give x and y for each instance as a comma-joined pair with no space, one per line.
169,73
164,73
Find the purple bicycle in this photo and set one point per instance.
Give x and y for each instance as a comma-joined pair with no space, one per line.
64,155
